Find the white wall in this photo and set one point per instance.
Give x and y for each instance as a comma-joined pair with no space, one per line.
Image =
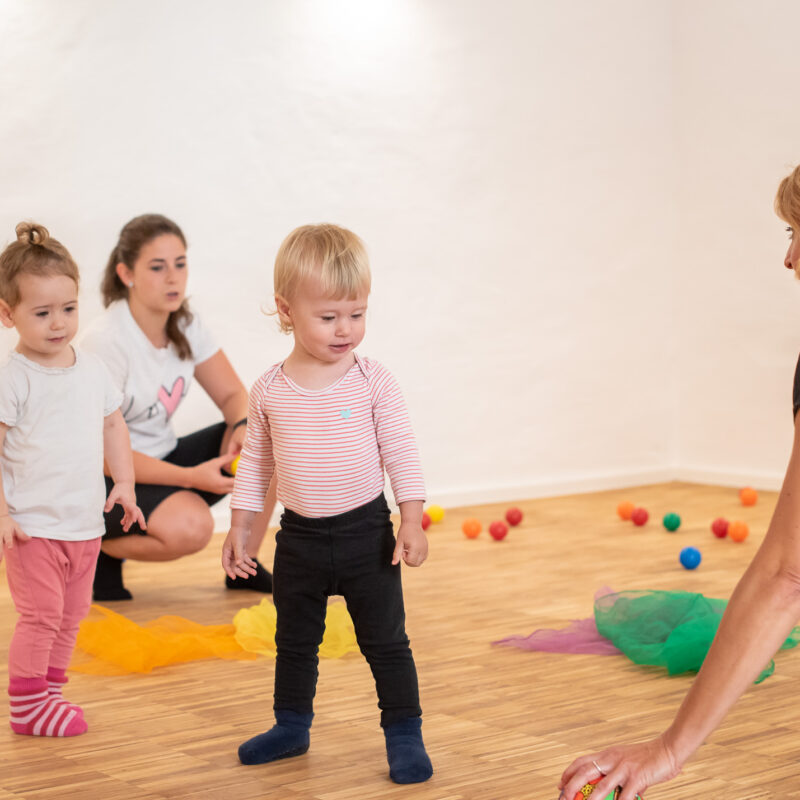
736,307
494,158
561,245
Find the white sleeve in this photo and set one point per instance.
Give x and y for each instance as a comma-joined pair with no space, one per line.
112,395
201,340
10,401
113,357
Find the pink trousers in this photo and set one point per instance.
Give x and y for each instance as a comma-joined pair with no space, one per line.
51,585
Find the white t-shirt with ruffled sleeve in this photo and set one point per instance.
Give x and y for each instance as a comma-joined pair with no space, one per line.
52,459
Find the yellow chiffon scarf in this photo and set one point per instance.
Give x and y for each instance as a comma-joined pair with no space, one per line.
111,644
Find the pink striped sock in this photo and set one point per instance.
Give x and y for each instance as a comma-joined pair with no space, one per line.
35,712
56,680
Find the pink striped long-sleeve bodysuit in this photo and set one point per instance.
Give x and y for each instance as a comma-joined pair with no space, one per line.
328,447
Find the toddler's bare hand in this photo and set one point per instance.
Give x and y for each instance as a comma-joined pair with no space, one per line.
9,530
125,494
235,560
412,545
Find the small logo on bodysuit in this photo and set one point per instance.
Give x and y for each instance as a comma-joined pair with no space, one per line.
345,412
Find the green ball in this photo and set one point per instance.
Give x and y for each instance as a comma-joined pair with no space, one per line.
672,522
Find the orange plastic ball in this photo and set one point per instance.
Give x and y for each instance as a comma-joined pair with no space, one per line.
625,509
738,531
471,528
748,496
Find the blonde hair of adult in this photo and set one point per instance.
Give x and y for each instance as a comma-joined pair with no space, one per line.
34,253
787,199
333,255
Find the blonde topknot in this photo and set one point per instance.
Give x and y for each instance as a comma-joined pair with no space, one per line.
31,233
34,252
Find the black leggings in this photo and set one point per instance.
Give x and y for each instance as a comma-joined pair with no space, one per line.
191,450
349,554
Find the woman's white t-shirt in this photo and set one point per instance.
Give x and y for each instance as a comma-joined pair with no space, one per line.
52,460
152,379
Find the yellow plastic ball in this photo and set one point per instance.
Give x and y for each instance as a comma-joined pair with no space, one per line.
436,513
234,465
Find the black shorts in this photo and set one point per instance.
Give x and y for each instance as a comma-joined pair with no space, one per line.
197,447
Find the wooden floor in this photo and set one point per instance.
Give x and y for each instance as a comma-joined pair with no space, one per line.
498,722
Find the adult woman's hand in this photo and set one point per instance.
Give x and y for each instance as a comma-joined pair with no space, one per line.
208,477
634,767
236,441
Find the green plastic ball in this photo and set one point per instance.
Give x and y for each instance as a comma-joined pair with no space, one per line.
672,522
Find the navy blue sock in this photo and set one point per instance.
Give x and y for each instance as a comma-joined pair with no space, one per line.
288,737
405,752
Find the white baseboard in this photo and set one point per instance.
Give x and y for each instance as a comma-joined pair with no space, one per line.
604,481
769,481
478,495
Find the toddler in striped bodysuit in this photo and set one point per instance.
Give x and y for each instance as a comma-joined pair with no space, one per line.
326,423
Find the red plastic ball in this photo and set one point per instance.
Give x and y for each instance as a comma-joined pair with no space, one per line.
426,521
513,516
639,516
498,530
719,527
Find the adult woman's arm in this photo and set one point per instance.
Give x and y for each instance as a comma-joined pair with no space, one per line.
762,611
218,378
222,384
206,477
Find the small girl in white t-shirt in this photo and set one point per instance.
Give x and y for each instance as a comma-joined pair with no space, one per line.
59,417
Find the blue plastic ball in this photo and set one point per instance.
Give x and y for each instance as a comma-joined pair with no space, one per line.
691,557
671,521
